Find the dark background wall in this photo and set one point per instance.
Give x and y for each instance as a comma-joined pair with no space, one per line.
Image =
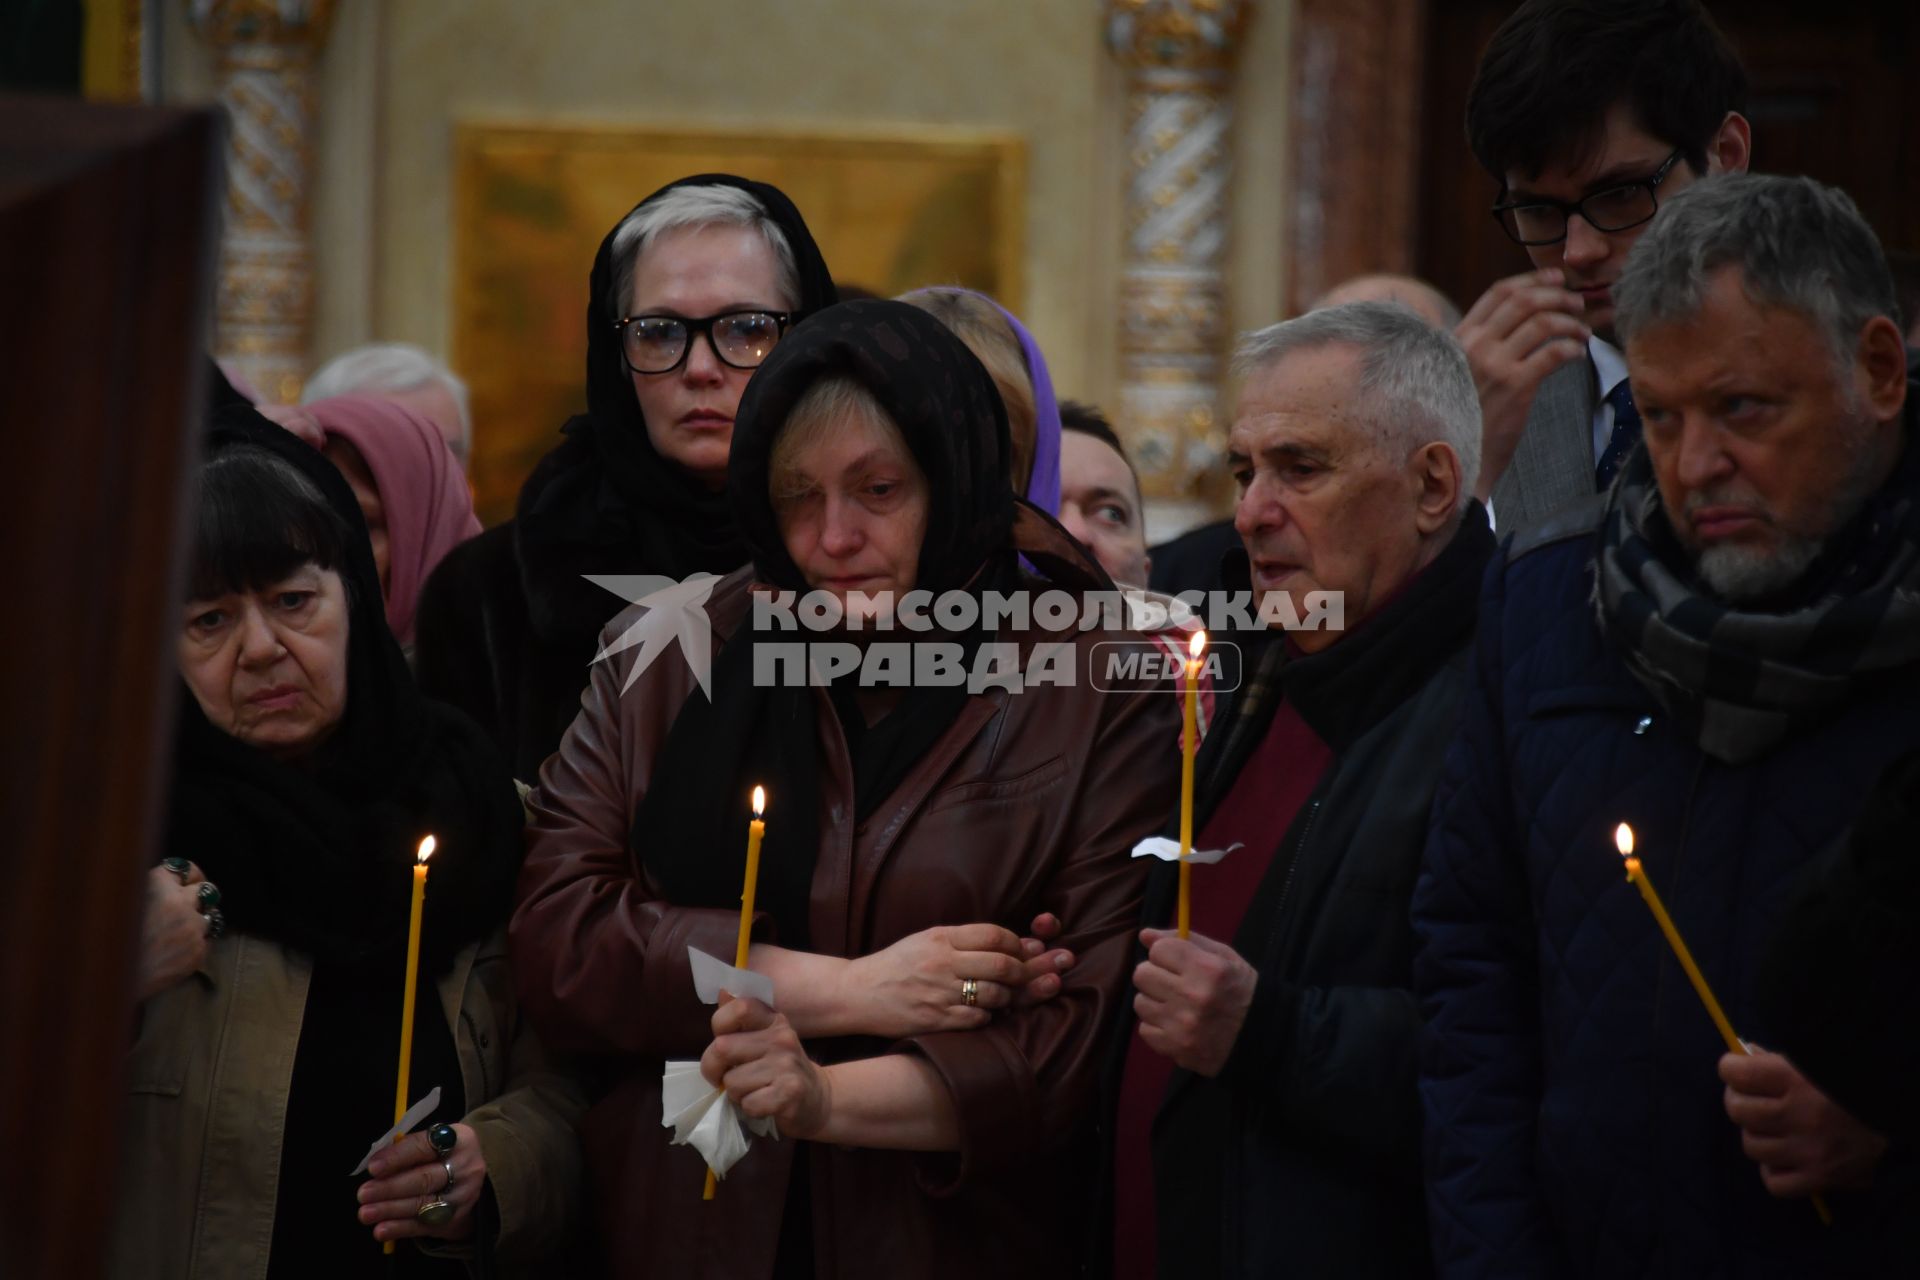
1836,96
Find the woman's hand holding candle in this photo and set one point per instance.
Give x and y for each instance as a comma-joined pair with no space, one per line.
756,1057
411,1171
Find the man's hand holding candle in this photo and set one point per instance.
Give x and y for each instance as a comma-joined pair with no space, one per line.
1804,1142
1192,998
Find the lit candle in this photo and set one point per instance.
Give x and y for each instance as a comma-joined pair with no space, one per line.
413,976
756,831
1623,840
1189,743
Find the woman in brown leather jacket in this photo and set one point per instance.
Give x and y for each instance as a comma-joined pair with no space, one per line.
931,1113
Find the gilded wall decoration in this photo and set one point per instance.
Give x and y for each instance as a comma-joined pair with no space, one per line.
1178,56
531,203
264,53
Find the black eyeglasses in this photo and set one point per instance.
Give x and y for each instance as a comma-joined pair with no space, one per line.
1540,220
659,344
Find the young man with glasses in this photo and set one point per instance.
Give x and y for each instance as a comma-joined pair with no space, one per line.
1590,114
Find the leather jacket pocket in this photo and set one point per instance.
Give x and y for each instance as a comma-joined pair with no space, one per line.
1022,786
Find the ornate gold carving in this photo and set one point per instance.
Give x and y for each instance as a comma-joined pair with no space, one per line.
228,24
1173,326
264,52
1186,35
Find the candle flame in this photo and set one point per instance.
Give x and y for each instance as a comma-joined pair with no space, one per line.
1198,644
427,847
1623,840
759,801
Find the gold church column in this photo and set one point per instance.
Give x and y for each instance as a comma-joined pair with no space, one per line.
264,53
1178,56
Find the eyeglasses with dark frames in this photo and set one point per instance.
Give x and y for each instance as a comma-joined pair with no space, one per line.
659,344
1540,220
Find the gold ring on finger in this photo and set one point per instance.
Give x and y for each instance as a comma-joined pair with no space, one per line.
970,992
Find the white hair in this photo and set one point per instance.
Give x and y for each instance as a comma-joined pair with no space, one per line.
1415,379
392,367
701,206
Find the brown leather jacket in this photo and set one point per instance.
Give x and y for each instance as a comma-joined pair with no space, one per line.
1030,802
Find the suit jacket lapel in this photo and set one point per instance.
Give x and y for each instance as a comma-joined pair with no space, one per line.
1554,462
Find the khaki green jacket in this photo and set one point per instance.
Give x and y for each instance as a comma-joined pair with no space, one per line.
212,1066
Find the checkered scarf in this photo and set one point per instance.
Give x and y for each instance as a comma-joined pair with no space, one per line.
1742,681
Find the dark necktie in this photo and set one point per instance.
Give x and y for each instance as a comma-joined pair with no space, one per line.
1626,434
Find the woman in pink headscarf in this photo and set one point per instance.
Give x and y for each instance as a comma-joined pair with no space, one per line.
410,488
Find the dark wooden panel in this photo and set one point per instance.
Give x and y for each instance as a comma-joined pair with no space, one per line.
1460,249
106,217
1834,96
1354,199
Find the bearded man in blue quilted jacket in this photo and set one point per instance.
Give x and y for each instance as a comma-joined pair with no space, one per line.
1723,651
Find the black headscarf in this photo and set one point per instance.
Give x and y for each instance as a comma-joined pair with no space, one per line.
317,854
689,831
605,501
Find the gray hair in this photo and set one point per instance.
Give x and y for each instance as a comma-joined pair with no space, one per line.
710,205
1414,378
1799,244
391,367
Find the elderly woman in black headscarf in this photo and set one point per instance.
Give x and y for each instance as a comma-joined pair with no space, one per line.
689,293
911,830
307,771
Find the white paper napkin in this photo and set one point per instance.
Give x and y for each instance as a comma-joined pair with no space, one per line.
700,1115
1169,851
711,977
414,1115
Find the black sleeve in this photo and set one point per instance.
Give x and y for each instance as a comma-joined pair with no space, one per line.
1837,980
1335,1064
454,638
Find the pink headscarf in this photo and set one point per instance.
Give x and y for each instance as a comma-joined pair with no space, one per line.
428,506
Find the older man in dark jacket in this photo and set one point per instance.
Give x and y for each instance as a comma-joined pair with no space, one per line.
1267,1119
1724,652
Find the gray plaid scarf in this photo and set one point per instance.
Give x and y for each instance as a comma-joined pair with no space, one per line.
1742,681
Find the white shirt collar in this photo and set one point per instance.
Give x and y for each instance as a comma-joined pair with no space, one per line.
1608,364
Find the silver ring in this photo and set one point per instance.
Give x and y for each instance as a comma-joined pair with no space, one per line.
448,1165
970,992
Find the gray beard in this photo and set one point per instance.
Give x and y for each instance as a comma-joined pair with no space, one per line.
1745,573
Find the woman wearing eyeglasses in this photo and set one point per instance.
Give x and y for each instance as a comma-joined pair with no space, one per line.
689,293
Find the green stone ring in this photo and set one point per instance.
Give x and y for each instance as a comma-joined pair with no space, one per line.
179,866
209,896
441,1138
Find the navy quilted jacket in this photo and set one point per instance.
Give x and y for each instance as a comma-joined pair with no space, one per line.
1573,1110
